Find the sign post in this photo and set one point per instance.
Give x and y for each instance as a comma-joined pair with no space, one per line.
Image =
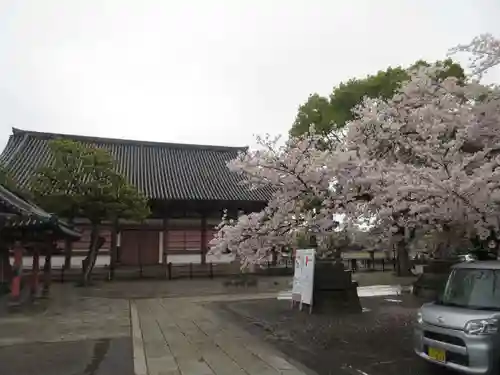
296,287
303,278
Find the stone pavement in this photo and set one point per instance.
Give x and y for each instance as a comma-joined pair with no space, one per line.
81,334
179,336
68,318
72,336
81,357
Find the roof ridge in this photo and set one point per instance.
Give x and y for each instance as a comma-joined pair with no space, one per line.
76,137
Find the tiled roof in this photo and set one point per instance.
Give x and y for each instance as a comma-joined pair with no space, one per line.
163,171
20,213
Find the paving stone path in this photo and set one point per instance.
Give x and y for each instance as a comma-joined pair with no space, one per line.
72,337
179,336
69,320
165,336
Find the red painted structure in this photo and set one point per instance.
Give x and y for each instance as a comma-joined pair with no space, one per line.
17,270
26,229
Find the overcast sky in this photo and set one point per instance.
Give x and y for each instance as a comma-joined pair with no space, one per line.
206,71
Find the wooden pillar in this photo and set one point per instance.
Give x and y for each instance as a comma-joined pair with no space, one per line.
165,239
118,246
204,239
47,270
35,271
17,269
160,246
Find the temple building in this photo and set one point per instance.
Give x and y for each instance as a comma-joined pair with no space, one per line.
188,187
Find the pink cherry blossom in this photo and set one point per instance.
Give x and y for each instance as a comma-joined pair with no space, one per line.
426,161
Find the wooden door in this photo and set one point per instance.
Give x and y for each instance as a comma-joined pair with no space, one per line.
139,247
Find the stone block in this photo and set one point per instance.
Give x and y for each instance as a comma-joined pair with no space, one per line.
332,301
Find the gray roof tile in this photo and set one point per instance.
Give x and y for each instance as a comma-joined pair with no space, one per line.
163,171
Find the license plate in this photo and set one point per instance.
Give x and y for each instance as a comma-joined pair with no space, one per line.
437,354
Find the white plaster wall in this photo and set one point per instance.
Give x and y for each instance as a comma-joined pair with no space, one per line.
223,258
104,260
58,261
184,259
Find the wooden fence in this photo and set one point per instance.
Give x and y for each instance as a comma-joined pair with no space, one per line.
169,271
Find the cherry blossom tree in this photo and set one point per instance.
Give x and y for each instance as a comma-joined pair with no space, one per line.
426,161
435,147
302,185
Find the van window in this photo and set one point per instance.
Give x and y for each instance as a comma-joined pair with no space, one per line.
473,288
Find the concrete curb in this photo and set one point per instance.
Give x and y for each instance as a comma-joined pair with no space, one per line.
140,366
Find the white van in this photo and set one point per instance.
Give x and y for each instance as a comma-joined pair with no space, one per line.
461,330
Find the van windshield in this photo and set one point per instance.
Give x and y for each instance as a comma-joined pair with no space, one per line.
473,288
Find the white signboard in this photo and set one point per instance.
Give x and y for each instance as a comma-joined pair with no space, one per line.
303,278
307,276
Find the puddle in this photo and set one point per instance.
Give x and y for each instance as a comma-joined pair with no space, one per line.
379,290
363,291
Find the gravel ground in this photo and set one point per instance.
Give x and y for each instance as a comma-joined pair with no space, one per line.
85,357
375,342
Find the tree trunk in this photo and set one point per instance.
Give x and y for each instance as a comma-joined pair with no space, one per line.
274,257
68,250
336,250
89,262
113,248
337,254
403,259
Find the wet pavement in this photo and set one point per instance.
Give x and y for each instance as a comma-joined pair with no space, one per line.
376,342
83,357
181,336
88,331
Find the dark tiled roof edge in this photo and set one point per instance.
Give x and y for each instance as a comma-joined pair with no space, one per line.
30,215
93,139
162,171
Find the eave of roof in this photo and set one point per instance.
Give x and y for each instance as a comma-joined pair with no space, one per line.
27,215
